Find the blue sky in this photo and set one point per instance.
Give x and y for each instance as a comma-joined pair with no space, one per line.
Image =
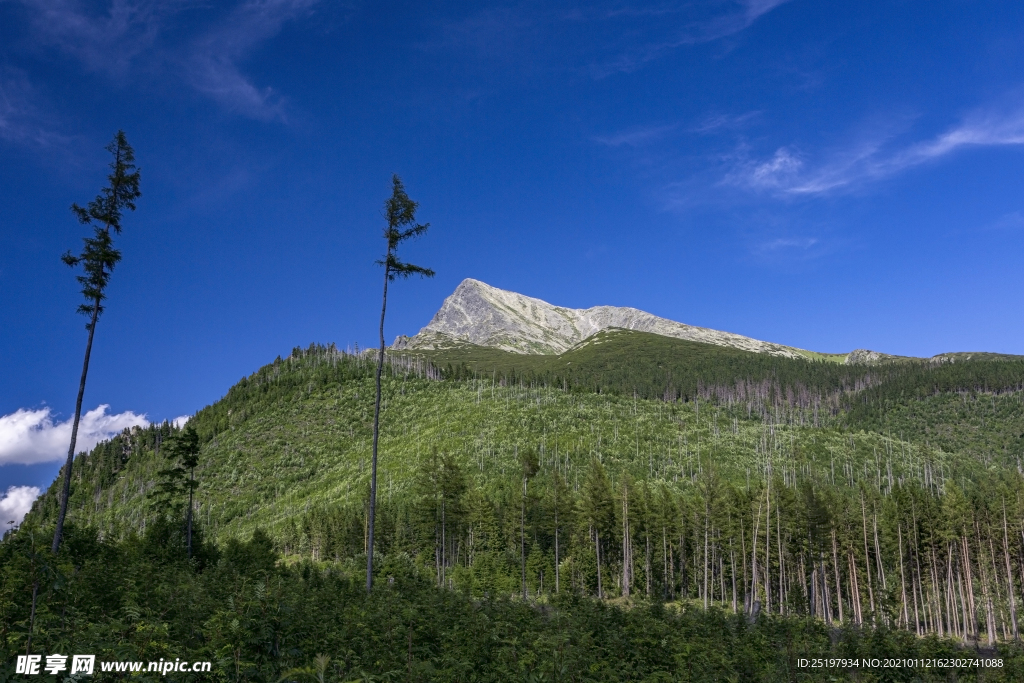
824,175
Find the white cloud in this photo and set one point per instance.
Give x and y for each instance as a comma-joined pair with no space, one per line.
28,437
15,505
180,421
873,159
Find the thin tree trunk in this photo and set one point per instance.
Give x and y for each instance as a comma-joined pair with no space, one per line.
557,570
647,563
995,585
782,568
191,481
867,559
522,537
376,435
664,563
32,617
732,573
1009,578
835,563
753,559
706,516
903,582
627,554
878,552
66,489
767,551
743,554
970,585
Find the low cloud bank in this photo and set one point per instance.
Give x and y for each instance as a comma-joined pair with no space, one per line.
16,503
28,437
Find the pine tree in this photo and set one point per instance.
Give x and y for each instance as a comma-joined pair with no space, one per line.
178,480
98,259
400,213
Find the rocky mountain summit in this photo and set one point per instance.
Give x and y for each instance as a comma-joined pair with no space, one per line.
477,313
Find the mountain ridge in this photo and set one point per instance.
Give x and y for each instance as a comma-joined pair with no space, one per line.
477,313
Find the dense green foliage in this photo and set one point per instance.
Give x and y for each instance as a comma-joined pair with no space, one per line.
822,496
258,619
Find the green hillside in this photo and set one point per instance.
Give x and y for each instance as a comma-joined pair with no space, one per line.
632,467
296,434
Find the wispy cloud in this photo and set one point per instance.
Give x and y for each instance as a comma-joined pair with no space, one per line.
1008,222
634,137
28,437
108,39
620,37
719,122
788,172
784,243
15,504
212,62
719,20
135,40
21,120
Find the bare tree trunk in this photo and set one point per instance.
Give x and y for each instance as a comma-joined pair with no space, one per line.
647,563
376,435
969,571
782,566
444,548
732,573
66,489
743,554
826,598
867,559
995,585
557,570
753,559
627,554
188,524
32,617
903,583
522,537
878,552
767,551
1009,578
664,563
706,516
851,563
835,563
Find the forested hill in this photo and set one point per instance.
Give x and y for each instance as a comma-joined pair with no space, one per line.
856,494
934,399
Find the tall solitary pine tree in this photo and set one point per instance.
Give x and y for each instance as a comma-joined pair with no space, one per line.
400,214
98,259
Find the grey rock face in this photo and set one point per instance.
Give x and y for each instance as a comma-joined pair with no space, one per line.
865,356
479,314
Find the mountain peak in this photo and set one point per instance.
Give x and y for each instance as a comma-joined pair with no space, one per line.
477,313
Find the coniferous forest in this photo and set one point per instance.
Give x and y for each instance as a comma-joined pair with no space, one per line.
639,509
